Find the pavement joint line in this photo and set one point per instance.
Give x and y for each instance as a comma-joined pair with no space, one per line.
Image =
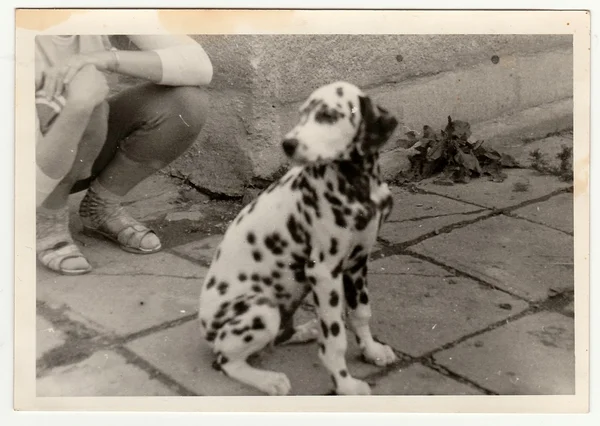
459,273
157,328
391,249
430,363
201,262
555,303
154,373
434,216
145,274
517,216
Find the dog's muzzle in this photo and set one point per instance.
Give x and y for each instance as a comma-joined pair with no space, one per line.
289,146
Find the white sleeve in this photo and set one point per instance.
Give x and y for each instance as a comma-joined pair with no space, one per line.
184,61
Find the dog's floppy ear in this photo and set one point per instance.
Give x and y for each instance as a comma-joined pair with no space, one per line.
379,124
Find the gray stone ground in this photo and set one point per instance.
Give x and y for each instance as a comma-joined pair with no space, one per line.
472,285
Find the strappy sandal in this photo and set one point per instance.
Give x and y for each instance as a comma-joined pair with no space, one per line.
54,244
106,218
53,258
124,230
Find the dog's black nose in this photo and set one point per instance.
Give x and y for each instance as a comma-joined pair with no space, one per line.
289,146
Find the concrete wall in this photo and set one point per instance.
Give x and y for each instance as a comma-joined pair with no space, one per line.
259,82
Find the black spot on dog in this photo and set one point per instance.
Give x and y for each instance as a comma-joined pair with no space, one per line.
276,274
360,263
203,323
223,335
278,287
248,338
256,288
258,324
334,298
324,329
211,336
257,256
280,264
364,298
316,298
359,283
251,238
240,308
336,271
211,282
334,246
218,254
312,280
340,220
344,373
356,251
335,329
350,292
267,280
242,277
329,186
322,348
222,288
240,331
340,91
255,277
321,257
307,218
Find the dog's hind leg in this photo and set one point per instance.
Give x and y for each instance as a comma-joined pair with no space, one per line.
253,328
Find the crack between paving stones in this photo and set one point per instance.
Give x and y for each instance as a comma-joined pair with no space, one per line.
153,372
157,328
418,218
459,273
412,275
144,274
516,216
556,303
200,262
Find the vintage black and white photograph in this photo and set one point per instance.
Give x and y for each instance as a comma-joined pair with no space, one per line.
287,213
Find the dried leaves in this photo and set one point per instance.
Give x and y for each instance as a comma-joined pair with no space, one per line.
449,155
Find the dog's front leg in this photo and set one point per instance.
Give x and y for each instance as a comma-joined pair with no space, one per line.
328,293
359,314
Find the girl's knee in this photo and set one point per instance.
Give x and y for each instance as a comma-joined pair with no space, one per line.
191,104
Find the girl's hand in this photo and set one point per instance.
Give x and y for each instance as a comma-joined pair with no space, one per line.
58,76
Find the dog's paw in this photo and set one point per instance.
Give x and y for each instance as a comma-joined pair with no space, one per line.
379,354
352,386
273,383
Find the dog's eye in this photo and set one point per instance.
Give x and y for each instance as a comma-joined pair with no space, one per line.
327,116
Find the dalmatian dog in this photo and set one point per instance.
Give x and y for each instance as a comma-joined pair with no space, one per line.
310,232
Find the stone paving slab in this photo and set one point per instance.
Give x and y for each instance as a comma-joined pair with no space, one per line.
490,194
420,380
557,212
105,373
47,337
125,304
201,250
524,258
181,353
531,356
418,313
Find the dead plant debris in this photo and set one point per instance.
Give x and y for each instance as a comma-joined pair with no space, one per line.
451,157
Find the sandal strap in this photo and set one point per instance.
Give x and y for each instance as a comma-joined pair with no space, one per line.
54,256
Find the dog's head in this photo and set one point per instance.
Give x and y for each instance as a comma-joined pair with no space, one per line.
335,121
